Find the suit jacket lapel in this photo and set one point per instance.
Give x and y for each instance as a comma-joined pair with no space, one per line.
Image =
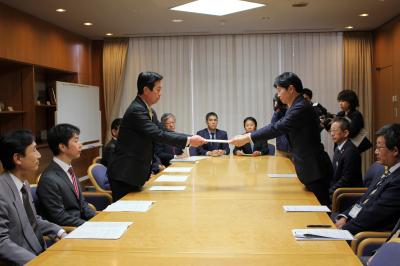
63,175
29,234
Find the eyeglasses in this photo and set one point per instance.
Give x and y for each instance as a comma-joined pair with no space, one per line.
380,148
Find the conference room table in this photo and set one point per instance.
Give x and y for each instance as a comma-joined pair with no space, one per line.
231,213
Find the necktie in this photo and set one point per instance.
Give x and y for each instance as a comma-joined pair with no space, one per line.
213,147
378,184
74,182
336,157
31,216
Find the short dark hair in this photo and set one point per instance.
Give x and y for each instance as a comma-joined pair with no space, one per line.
211,114
343,121
165,117
288,78
14,142
350,97
250,118
116,123
391,133
147,79
61,134
307,92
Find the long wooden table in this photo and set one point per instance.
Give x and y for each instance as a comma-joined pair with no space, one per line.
230,213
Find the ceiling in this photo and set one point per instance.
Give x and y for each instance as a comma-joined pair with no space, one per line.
128,18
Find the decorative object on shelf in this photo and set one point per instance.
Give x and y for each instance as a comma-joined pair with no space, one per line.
48,103
10,108
38,102
52,96
43,135
2,106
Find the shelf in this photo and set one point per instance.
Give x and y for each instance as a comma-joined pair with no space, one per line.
11,112
45,106
42,145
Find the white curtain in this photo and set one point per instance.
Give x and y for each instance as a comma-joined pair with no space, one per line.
233,75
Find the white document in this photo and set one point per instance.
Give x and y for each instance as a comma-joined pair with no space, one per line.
172,178
100,230
167,188
177,170
129,206
282,175
306,208
322,234
218,140
191,159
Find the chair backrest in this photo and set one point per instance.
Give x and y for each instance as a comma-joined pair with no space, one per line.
99,200
376,170
271,149
387,255
97,160
98,176
35,197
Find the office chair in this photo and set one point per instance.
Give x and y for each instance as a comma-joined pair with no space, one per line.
98,176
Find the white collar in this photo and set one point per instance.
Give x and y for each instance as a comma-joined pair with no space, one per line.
62,164
340,147
18,183
394,167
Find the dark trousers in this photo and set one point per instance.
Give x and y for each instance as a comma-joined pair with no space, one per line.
320,188
120,189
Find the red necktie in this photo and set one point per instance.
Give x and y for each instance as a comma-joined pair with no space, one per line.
73,177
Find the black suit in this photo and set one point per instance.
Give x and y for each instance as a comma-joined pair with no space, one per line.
58,201
108,151
246,149
346,168
167,152
312,163
381,211
130,166
203,149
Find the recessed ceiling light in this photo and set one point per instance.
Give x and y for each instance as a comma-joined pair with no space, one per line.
177,20
109,34
349,27
88,23
217,8
61,10
364,15
300,4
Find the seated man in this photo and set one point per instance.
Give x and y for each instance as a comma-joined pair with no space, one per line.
379,208
59,193
346,159
164,151
21,229
110,147
211,132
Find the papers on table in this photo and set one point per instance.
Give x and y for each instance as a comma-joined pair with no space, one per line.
129,206
282,175
322,234
167,188
218,140
171,178
191,159
177,170
306,208
100,230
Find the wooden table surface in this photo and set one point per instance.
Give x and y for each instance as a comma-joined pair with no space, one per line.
230,213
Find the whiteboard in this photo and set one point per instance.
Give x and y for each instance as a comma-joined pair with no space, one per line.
78,105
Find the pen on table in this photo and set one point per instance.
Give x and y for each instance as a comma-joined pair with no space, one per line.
319,225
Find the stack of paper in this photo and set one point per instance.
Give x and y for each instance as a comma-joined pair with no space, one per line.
177,170
129,206
167,188
282,175
100,230
191,159
306,208
171,178
322,234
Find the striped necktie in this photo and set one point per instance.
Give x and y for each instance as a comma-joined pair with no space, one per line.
74,182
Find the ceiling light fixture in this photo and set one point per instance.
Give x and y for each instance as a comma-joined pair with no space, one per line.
61,10
177,20
109,34
349,27
364,15
217,8
88,23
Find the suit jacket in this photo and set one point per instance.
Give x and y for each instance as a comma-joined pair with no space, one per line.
282,143
167,152
203,149
301,125
108,151
346,168
18,242
261,146
58,201
131,163
381,211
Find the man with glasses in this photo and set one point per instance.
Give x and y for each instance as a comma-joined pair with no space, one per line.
379,208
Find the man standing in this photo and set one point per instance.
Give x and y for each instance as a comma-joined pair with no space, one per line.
21,229
301,125
130,167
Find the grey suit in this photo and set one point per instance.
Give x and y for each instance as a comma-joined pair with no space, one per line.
58,201
18,242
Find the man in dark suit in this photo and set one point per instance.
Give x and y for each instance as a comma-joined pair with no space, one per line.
109,148
379,208
59,193
164,151
21,229
346,159
211,132
130,166
301,125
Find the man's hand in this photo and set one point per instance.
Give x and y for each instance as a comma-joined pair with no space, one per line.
256,153
239,153
340,222
196,141
240,140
